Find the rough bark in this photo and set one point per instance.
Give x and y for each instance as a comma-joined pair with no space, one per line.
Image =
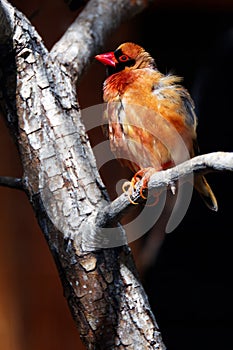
38,99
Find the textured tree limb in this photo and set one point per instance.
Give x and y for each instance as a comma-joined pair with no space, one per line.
38,99
203,164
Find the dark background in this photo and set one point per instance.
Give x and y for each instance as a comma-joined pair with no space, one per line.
189,280
190,285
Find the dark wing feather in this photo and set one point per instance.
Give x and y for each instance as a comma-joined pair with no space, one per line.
188,105
190,115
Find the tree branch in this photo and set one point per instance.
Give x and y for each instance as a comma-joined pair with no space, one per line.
12,182
39,101
203,164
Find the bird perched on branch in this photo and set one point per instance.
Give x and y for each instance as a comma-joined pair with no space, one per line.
150,116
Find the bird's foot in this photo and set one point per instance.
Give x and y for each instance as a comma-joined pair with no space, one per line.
143,176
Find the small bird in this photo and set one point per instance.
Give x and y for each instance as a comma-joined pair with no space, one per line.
150,117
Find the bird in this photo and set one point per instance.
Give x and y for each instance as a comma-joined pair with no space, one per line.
150,117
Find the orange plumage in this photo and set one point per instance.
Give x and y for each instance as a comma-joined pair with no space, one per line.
150,116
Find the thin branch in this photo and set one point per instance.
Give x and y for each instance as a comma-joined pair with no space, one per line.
212,162
12,182
203,164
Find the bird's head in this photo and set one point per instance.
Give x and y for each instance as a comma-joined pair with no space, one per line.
127,55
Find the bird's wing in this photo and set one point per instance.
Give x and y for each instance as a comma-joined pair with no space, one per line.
188,105
190,116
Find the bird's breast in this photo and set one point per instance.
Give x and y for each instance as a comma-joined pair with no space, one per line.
146,120
117,84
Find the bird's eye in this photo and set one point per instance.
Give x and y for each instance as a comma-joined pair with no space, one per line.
123,58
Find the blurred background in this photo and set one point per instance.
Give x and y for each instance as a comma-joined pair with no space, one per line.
188,276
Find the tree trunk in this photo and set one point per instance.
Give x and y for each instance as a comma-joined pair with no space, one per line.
39,101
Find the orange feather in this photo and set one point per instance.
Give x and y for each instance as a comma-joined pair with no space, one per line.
151,116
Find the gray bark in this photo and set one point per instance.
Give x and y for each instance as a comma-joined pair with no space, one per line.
38,99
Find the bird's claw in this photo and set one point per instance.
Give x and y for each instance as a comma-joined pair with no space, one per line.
130,186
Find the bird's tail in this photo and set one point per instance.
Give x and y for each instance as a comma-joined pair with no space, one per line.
202,186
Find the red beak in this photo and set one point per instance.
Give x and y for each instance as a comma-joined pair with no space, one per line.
107,58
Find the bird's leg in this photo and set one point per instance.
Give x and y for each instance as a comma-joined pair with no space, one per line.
144,176
128,188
